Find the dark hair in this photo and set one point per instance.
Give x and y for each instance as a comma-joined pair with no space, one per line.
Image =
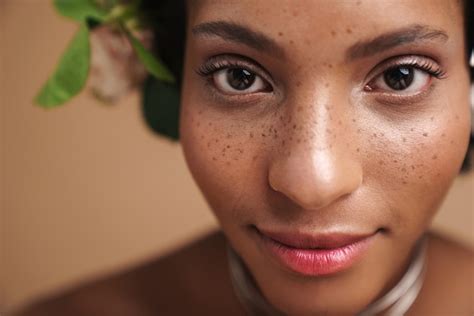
168,18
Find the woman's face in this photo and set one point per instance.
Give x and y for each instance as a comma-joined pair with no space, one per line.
332,119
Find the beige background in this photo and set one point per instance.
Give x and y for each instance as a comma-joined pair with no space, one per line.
88,188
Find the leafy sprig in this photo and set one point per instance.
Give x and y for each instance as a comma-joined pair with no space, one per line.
72,71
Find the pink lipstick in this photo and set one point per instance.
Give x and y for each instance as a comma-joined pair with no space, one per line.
316,254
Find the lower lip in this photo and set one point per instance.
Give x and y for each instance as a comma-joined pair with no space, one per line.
316,262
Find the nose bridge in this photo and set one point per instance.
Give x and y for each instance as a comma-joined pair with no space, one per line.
316,167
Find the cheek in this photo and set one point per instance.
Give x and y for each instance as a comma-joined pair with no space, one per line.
222,157
414,165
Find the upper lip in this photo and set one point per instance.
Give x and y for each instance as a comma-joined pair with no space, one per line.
322,240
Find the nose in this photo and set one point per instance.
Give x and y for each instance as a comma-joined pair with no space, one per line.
316,172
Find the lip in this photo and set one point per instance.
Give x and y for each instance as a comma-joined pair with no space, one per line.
315,254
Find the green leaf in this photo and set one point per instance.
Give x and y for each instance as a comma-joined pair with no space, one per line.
160,106
71,73
152,64
79,10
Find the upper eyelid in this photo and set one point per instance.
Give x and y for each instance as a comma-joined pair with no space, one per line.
241,61
411,60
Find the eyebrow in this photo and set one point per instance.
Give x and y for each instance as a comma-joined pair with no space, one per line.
240,34
407,35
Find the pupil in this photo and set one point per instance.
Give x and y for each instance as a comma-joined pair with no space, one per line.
240,79
399,78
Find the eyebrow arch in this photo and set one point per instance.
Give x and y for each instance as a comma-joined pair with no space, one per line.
410,34
240,34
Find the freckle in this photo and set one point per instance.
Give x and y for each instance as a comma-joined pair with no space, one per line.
420,177
412,167
348,31
358,130
353,120
294,126
326,85
202,136
358,149
375,134
300,108
214,158
442,135
283,142
404,170
251,135
263,135
451,142
254,158
438,174
291,42
333,33
404,139
280,33
434,157
425,134
432,118
404,182
358,3
295,13
216,140
200,112
395,161
380,162
457,117
299,140
307,42
228,163
210,124
241,151
330,65
412,129
208,144
198,124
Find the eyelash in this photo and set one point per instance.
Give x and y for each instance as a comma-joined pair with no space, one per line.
426,65
217,63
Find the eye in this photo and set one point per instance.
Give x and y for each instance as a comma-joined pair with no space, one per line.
238,81
402,79
406,76
232,74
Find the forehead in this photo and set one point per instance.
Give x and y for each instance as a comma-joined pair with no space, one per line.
311,21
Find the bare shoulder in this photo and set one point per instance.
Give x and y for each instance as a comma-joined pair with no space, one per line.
449,277
192,279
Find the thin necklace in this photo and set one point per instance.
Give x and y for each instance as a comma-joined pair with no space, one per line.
395,303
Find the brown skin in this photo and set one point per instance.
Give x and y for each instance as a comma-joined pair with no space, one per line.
319,152
326,148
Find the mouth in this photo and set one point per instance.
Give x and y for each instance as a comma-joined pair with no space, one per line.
314,254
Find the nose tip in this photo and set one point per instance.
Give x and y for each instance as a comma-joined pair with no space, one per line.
315,179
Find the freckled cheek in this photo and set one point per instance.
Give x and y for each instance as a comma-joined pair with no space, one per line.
414,166
220,156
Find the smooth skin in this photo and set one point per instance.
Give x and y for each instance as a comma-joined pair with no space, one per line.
318,143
